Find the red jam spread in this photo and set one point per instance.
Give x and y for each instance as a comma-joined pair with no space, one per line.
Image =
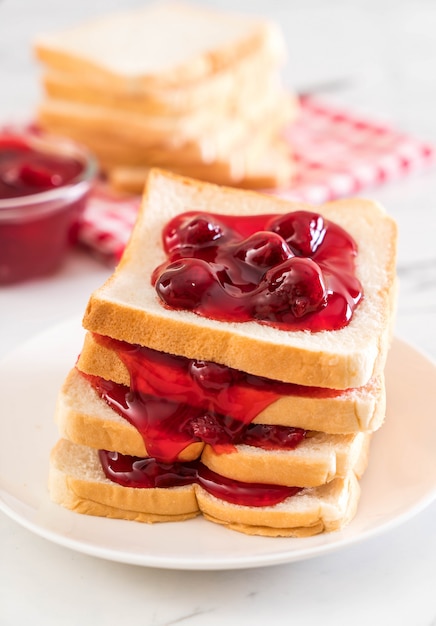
174,401
167,428
25,171
40,203
146,473
294,271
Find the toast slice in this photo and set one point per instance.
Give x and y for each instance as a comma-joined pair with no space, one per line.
84,418
312,511
260,159
127,307
223,130
162,45
273,168
223,86
173,86
134,151
77,482
317,460
334,412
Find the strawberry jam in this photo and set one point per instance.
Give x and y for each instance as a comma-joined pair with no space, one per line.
147,473
294,271
25,171
167,428
174,401
44,183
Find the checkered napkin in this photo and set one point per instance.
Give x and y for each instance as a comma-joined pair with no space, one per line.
338,153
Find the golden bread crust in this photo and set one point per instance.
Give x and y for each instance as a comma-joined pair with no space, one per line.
304,467
93,494
352,411
74,50
274,522
312,511
340,359
84,419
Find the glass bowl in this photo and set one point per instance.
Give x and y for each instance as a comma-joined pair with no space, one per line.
44,185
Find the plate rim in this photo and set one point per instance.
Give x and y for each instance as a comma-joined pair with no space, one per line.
184,563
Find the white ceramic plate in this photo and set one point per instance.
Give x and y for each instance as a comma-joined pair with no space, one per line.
400,480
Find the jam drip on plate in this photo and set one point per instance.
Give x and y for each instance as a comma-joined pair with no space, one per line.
294,271
147,473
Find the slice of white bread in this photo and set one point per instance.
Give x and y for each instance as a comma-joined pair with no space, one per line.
223,130
132,151
84,418
317,460
249,72
347,411
77,482
274,168
259,160
161,45
310,512
126,307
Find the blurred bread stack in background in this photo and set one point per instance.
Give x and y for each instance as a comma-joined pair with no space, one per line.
189,89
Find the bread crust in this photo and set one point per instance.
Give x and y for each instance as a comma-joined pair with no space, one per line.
74,50
352,410
77,482
127,307
220,88
215,132
83,418
274,168
279,522
316,461
87,491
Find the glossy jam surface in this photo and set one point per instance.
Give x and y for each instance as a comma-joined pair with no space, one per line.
148,473
36,228
167,427
174,401
25,170
294,271
204,383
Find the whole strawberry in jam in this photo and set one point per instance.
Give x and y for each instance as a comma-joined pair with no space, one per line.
303,231
293,271
263,249
184,283
207,427
191,232
296,287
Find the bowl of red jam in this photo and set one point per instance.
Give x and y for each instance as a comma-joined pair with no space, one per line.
44,184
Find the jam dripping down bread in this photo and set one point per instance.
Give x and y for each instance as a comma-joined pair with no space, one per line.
260,423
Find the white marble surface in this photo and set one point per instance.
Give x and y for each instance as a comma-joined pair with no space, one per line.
382,58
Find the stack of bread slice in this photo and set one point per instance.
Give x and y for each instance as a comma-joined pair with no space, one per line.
182,87
142,357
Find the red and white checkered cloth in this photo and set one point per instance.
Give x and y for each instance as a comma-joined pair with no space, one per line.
338,154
